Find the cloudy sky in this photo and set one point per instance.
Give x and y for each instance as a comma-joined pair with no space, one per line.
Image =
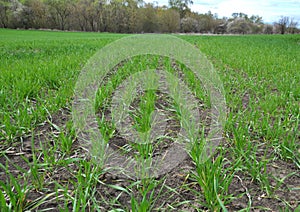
270,10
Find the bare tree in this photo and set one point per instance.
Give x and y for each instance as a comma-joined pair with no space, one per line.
268,29
34,14
131,16
148,19
239,26
207,22
189,24
89,14
282,24
169,20
292,26
61,10
220,26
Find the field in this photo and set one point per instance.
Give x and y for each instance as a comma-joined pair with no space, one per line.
44,166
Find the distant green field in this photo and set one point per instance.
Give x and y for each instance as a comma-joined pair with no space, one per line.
256,167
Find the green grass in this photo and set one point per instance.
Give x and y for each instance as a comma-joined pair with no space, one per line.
38,72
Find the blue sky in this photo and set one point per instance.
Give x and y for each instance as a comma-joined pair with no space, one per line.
270,10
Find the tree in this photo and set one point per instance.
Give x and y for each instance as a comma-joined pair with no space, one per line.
60,11
240,26
292,26
130,16
268,29
89,14
169,20
117,16
240,15
221,26
282,24
148,20
10,13
5,12
189,24
256,19
207,22
132,13
34,14
181,5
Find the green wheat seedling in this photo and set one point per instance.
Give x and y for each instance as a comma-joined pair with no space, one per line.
37,170
84,196
213,178
260,74
142,124
146,195
14,196
66,140
257,167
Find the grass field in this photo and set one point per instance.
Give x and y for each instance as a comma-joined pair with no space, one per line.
43,166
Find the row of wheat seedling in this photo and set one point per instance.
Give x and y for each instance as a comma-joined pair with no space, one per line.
262,126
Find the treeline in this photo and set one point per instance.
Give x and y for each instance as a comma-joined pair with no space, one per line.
130,16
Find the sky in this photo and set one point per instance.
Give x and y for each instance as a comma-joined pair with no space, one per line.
270,10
